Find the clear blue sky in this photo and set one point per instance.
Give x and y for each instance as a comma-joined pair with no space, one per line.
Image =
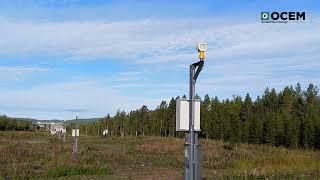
60,57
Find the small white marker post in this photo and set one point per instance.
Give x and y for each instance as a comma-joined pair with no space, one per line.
75,135
64,131
105,133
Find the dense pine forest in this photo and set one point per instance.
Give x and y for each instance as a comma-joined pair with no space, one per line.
289,118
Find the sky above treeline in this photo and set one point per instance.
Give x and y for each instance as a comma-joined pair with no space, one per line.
62,57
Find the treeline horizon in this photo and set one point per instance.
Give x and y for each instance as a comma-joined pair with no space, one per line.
290,118
13,124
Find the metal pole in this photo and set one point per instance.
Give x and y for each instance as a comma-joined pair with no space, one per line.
76,145
75,142
193,167
74,148
76,138
191,123
64,134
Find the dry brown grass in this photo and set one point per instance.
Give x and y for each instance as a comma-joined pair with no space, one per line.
160,145
30,154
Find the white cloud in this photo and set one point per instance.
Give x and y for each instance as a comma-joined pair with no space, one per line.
9,73
52,101
242,57
150,41
21,69
127,76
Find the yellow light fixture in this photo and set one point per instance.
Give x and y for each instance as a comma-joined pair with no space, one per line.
202,47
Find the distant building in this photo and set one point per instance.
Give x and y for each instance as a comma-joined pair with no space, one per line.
52,127
43,126
57,128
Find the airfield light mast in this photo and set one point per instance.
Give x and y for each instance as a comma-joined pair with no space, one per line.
195,70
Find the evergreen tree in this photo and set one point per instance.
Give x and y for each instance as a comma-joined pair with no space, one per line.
215,123
205,116
234,110
311,116
247,120
172,117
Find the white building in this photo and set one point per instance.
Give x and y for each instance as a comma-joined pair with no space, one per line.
52,127
57,128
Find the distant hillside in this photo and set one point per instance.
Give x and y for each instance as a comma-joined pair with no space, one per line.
23,119
56,120
37,120
83,120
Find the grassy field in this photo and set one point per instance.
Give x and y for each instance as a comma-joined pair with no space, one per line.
39,155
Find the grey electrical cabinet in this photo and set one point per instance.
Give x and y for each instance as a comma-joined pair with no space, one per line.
182,115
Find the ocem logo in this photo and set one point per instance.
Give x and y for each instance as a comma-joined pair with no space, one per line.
283,16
